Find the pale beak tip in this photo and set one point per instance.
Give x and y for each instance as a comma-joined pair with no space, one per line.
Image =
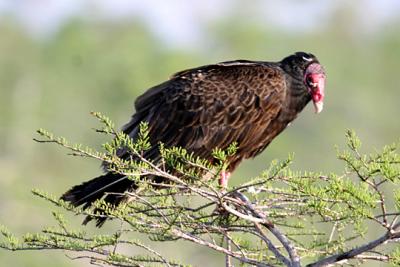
318,106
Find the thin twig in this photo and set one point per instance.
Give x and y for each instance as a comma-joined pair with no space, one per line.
358,250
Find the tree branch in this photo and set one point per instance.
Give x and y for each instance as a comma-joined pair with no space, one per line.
390,235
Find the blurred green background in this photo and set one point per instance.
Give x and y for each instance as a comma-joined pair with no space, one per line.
59,60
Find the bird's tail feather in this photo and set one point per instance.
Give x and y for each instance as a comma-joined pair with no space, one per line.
88,192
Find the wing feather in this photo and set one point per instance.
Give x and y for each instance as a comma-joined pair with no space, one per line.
212,106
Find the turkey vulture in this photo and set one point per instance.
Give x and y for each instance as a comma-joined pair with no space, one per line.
242,101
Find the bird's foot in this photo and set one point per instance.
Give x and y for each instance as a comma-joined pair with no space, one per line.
223,179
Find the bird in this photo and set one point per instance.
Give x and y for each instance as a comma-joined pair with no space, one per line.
212,106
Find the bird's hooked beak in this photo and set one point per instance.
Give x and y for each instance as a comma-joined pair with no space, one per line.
315,82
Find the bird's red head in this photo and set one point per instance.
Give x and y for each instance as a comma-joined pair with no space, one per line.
314,79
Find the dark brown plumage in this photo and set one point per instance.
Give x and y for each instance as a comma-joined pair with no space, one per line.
248,102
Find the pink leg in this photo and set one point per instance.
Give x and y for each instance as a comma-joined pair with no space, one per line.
223,179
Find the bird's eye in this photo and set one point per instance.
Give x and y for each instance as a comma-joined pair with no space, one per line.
311,82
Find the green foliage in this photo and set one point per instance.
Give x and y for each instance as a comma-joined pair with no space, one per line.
11,242
312,215
395,257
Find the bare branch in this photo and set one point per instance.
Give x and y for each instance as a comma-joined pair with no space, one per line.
390,235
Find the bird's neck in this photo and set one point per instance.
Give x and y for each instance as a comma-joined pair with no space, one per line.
297,98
